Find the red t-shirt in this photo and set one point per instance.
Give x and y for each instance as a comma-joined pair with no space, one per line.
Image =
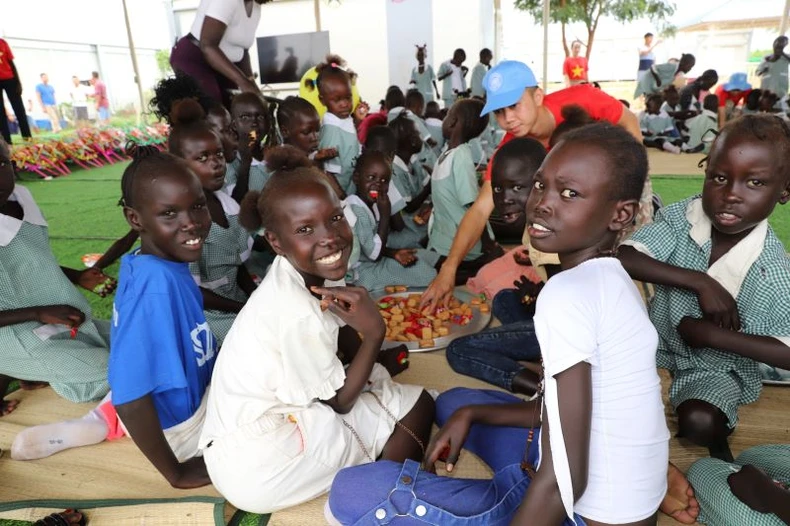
576,68
599,105
100,94
735,97
6,57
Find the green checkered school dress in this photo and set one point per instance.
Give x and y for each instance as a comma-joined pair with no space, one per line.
224,250
718,505
259,176
453,190
720,378
31,277
409,185
375,275
341,134
231,171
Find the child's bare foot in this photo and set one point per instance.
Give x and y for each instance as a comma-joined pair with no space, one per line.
8,406
26,385
679,502
395,360
64,517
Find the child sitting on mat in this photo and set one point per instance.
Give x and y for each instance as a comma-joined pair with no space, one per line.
722,282
414,185
163,351
47,333
284,415
599,411
221,271
252,125
454,187
373,264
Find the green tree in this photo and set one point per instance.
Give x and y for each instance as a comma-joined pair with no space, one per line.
163,62
589,12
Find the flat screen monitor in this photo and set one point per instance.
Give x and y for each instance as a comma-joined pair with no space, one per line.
285,58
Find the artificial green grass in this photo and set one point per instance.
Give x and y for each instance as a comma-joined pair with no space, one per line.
84,217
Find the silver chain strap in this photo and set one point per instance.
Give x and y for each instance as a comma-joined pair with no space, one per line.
398,423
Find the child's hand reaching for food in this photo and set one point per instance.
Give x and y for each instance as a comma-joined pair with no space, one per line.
395,360
96,281
354,306
528,290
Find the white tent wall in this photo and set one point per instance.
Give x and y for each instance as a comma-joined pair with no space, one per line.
357,32
372,35
80,36
467,24
409,24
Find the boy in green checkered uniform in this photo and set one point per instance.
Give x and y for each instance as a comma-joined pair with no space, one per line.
722,301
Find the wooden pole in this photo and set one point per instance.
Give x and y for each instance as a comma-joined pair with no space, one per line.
785,13
140,111
317,11
546,44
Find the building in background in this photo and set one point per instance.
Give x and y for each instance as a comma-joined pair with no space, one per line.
76,38
376,37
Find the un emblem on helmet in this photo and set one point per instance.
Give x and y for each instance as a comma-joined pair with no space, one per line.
495,82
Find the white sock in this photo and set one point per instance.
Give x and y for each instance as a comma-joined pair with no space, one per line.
668,146
48,439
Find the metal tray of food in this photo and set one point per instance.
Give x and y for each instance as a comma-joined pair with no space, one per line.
478,321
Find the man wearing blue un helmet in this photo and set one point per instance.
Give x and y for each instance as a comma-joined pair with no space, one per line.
522,109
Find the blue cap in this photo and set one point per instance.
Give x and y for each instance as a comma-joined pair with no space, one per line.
505,84
737,82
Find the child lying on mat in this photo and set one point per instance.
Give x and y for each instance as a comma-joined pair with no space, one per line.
163,351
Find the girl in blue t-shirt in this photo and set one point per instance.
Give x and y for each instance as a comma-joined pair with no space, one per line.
163,351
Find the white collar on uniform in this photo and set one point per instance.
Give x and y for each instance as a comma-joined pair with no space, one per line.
347,124
433,121
729,270
255,162
709,113
401,164
355,200
9,226
229,205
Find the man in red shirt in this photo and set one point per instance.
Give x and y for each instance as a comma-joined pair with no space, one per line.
522,109
575,68
9,82
100,98
731,94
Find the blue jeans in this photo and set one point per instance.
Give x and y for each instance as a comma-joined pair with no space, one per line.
387,492
492,355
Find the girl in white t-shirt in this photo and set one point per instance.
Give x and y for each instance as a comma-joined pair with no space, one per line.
598,420
284,415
